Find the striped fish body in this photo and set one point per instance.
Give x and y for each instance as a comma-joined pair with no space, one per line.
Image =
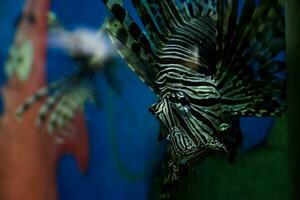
190,108
191,117
208,65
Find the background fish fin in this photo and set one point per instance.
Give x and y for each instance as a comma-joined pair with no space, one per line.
34,98
65,110
48,106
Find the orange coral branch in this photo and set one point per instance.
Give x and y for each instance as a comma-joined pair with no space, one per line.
28,154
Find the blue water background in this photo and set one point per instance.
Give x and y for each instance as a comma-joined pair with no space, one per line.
123,134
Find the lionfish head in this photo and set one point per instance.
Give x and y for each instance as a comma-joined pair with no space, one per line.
190,132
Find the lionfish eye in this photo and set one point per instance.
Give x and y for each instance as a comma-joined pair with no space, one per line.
180,98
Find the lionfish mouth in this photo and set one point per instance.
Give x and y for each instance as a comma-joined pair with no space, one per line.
177,162
191,148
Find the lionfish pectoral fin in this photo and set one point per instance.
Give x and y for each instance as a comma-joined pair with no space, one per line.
246,38
260,98
247,74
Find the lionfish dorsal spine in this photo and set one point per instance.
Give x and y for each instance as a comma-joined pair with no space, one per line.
250,42
132,44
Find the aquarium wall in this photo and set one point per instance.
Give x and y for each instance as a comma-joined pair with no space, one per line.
124,152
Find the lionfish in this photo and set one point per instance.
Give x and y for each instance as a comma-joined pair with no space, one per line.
93,53
210,63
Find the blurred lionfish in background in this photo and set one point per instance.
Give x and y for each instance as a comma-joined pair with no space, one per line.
93,52
209,64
